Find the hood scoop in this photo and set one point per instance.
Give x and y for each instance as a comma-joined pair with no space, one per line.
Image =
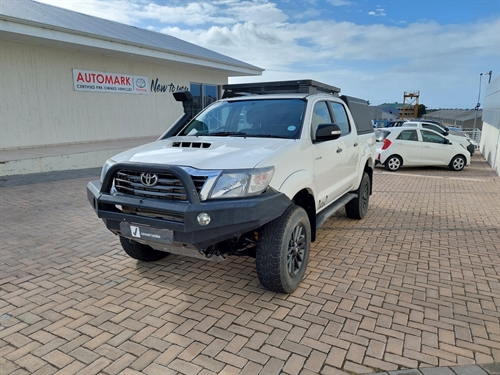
191,144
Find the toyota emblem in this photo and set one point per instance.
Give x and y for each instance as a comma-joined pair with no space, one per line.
149,179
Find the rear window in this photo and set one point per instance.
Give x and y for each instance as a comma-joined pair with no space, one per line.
380,135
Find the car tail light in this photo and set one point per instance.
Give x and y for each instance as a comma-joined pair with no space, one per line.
386,145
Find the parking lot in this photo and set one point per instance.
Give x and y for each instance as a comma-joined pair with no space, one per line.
414,285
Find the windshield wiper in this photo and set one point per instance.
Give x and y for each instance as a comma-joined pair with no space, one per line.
267,136
227,134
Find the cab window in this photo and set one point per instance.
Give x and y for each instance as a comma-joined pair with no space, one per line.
433,127
408,135
340,117
321,115
431,137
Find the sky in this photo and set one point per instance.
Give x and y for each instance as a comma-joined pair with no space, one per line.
371,49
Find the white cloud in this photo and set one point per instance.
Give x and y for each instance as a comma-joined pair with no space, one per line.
124,11
372,59
338,3
379,12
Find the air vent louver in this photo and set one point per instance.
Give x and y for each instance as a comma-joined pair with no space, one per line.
191,144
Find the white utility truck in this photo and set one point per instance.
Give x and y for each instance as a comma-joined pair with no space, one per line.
256,173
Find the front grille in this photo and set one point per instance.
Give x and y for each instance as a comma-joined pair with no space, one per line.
164,215
168,187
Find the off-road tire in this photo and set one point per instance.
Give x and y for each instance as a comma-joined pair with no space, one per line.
457,163
283,251
393,163
142,252
357,208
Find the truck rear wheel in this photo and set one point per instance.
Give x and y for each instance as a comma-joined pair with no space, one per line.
142,252
283,251
357,208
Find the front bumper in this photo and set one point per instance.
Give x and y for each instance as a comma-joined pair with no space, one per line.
229,217
471,149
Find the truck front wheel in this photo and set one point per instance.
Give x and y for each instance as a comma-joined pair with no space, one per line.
283,251
357,208
142,252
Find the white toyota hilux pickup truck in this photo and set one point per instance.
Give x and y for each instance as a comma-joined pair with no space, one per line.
255,174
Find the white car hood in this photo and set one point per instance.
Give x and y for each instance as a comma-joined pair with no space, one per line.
205,152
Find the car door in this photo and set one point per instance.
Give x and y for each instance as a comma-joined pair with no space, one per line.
349,167
328,158
436,148
410,147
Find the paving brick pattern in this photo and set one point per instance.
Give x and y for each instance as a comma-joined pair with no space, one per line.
413,288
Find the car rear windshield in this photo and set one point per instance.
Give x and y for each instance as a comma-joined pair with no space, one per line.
276,118
380,135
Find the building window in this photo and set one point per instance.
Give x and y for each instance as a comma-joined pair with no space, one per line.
203,95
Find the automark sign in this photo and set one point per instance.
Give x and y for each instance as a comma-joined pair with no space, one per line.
86,80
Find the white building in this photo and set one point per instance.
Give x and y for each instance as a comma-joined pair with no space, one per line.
490,140
77,89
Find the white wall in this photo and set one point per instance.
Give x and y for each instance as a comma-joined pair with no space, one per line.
490,138
39,106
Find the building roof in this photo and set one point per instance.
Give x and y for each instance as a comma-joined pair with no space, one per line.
27,20
455,114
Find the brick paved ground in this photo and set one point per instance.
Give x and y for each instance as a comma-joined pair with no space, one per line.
413,285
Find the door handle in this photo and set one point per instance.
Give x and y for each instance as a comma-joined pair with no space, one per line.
339,150
355,145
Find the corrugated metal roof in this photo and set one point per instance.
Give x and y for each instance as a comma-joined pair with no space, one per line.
51,17
455,114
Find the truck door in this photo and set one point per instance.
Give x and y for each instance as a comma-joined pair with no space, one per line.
328,158
351,152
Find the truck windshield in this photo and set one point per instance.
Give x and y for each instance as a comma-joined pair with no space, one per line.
277,118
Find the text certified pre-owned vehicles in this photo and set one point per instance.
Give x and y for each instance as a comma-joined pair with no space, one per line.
410,146
255,173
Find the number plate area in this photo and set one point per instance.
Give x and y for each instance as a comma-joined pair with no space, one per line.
165,236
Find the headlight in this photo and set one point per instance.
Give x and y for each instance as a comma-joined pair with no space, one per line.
106,167
242,183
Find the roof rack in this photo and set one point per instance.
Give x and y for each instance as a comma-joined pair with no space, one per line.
306,86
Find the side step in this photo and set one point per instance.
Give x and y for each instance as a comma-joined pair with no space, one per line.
332,208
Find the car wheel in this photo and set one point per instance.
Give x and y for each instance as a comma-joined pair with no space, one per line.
457,163
357,208
142,252
283,251
393,163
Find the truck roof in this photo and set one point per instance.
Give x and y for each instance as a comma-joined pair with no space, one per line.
303,86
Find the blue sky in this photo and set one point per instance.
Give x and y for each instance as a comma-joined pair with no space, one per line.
371,49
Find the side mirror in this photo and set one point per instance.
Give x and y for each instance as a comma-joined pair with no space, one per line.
327,132
447,141
446,132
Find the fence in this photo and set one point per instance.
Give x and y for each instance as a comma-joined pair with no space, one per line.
474,136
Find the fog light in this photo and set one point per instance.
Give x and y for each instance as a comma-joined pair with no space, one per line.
203,218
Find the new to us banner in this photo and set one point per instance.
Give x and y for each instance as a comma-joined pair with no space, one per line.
86,80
